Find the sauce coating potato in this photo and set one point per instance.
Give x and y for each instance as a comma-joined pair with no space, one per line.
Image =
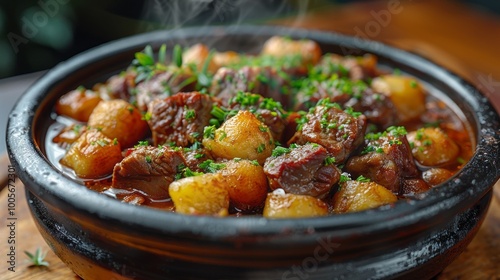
93,155
281,205
200,195
119,119
354,196
432,147
246,183
308,51
406,93
242,136
197,55
78,104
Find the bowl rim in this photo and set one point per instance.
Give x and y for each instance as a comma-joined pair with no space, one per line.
49,184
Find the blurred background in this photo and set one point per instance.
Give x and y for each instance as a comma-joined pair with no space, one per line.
463,35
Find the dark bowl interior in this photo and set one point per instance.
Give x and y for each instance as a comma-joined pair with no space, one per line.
100,237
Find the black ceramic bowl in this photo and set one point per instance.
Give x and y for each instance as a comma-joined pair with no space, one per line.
102,238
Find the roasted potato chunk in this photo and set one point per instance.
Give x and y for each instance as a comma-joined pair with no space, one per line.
246,183
431,146
69,135
354,196
308,50
242,136
78,104
436,176
407,94
93,155
205,194
222,59
197,55
285,205
119,119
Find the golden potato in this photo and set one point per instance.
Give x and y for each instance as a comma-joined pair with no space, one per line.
78,104
93,155
242,136
69,135
197,55
354,196
435,176
222,59
431,146
200,195
119,119
246,183
281,205
407,94
308,50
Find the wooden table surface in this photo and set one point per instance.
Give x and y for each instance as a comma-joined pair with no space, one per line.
464,40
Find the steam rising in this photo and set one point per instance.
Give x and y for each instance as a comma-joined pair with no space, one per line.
176,14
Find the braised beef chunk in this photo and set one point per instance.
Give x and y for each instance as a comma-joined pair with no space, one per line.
386,159
149,170
194,157
262,80
118,86
354,68
340,132
305,170
377,108
180,118
414,186
164,84
267,110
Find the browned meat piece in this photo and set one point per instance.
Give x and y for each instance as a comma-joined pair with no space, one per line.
180,119
340,132
377,108
194,157
355,68
164,84
148,170
414,186
386,159
304,170
262,80
117,87
267,110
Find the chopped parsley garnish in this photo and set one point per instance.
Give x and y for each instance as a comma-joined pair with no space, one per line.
263,128
223,135
190,114
351,112
147,116
397,131
115,141
148,159
344,177
261,148
329,160
77,128
209,132
102,142
363,179
142,144
413,84
427,142
210,166
254,162
279,150
177,55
